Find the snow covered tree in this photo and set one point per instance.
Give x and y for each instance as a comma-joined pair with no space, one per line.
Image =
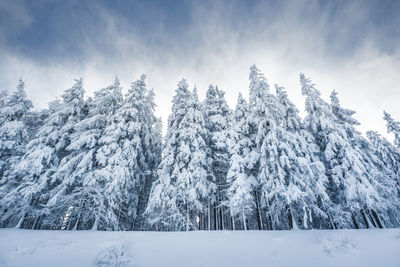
14,134
151,137
78,201
13,130
379,176
240,193
392,127
291,176
125,153
388,154
351,178
259,101
181,196
33,174
218,121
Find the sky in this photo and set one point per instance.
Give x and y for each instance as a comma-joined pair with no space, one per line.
352,47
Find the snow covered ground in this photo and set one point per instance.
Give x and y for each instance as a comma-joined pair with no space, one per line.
205,249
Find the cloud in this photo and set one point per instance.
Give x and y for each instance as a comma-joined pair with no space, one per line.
14,16
338,46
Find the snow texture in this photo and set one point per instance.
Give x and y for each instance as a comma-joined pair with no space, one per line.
367,248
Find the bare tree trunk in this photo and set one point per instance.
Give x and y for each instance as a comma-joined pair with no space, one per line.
187,217
244,220
209,214
222,218
259,220
215,216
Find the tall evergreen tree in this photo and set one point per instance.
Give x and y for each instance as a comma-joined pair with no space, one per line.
180,198
218,122
240,193
14,134
379,176
388,155
124,153
259,101
34,173
292,184
151,141
351,178
13,130
78,201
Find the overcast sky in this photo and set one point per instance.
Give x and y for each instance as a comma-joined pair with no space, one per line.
350,46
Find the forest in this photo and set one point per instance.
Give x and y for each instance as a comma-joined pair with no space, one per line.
102,162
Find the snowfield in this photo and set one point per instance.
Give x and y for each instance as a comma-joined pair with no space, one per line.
203,249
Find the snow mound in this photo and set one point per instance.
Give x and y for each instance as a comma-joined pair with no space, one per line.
115,256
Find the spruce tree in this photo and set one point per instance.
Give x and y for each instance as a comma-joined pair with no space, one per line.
240,193
13,130
14,134
124,153
259,100
79,202
180,197
217,122
388,155
378,175
292,182
34,173
151,141
350,178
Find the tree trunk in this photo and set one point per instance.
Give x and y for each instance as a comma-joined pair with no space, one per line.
377,219
187,218
233,222
19,224
244,220
258,211
209,214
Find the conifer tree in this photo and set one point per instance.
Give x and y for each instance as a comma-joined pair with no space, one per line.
292,184
14,134
180,197
124,153
379,176
241,183
259,100
351,179
34,173
217,122
151,141
13,130
387,154
79,202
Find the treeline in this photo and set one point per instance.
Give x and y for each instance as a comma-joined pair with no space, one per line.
100,163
